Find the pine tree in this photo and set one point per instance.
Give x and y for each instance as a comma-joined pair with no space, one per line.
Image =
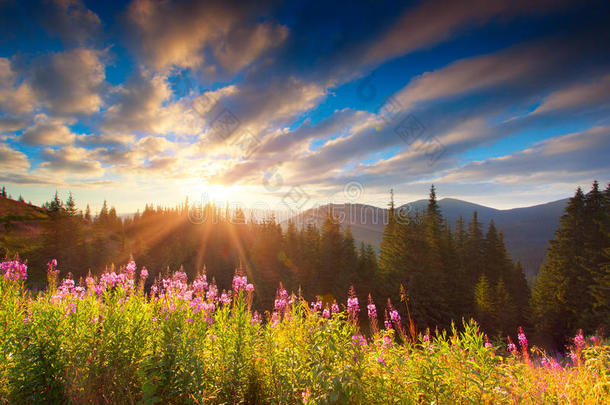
572,279
331,253
520,292
387,255
485,305
70,205
505,311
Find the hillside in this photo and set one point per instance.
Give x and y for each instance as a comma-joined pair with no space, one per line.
526,230
20,224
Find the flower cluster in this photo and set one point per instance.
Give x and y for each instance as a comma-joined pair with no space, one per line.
511,346
239,283
579,339
352,304
522,339
372,310
14,270
359,341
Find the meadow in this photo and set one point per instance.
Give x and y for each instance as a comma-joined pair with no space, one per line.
111,340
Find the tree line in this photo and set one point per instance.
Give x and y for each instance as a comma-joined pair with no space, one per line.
447,271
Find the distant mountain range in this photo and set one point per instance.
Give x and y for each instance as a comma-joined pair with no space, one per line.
526,230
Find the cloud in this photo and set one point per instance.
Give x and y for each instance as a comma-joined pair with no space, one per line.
12,160
70,20
432,22
70,160
16,96
48,131
11,124
26,179
201,35
68,82
587,94
143,104
104,139
577,156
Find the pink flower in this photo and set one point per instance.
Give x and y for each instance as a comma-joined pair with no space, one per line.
249,287
239,282
143,273
316,305
130,269
352,304
579,339
305,395
14,270
359,340
522,338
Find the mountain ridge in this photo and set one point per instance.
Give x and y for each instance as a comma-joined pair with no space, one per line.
526,230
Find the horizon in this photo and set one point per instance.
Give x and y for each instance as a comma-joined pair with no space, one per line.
280,208
282,105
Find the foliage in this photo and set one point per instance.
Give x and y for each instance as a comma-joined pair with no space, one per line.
110,340
573,287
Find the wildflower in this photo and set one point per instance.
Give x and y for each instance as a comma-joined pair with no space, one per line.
239,282
305,395
70,308
426,338
387,322
225,298
211,294
511,346
280,300
316,305
522,338
372,310
249,287
143,273
326,313
380,360
14,270
200,284
574,357
359,340
387,341
256,318
352,304
130,269
274,318
335,308
488,345
579,339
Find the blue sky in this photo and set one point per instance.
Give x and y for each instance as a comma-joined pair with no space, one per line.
285,105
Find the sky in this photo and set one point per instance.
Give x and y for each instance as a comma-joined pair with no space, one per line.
290,104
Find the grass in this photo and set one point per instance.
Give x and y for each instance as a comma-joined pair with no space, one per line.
110,341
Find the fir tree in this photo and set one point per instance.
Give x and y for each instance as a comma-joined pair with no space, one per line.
485,305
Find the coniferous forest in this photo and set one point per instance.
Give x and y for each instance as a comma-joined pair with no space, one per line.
447,271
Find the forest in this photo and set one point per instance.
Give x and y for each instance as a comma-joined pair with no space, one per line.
442,272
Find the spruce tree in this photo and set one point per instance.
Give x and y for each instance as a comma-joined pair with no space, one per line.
485,306
571,289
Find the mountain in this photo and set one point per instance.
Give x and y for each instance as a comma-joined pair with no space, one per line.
526,230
